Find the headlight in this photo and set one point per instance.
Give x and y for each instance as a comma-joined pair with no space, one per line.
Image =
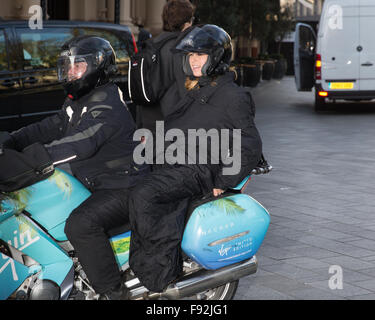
45,290
36,289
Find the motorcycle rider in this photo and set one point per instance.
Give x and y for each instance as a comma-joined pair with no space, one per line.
158,204
93,133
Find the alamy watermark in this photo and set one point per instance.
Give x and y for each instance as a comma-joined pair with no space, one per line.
336,282
335,21
198,146
36,19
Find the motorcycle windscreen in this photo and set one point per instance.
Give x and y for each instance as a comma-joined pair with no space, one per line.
225,231
304,57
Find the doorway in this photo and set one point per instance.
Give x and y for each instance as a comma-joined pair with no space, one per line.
58,9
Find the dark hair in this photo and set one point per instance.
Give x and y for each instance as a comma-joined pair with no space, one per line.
176,13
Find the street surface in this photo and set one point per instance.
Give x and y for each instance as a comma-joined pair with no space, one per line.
321,240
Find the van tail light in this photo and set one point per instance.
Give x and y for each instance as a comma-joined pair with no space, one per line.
318,67
323,94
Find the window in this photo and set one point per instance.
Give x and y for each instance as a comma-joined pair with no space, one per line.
3,53
306,40
41,48
118,44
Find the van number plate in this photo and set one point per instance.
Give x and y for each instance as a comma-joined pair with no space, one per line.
341,85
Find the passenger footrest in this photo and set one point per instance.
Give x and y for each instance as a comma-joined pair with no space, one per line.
263,167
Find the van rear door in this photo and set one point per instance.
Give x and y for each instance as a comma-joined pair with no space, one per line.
339,46
304,56
367,42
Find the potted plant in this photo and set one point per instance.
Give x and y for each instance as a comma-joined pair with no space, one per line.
239,72
248,71
268,66
280,66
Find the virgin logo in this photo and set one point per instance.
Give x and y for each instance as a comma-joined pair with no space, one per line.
20,242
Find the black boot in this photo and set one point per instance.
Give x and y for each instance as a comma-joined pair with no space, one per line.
120,292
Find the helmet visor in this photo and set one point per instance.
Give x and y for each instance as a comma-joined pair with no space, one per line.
198,40
71,68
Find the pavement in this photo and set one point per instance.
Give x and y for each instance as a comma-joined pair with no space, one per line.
321,241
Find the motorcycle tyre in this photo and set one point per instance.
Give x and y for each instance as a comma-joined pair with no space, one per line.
224,292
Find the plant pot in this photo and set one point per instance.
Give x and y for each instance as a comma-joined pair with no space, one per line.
258,74
239,74
251,75
268,69
280,69
248,75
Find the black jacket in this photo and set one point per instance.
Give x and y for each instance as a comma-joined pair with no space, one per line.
173,74
171,83
94,134
223,105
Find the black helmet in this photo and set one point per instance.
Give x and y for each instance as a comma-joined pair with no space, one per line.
212,40
84,63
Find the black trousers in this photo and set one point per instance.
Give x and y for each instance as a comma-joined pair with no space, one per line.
86,229
157,211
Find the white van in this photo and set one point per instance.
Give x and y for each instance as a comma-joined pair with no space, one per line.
340,61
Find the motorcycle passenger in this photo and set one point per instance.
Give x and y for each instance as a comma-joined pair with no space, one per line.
158,204
93,134
177,17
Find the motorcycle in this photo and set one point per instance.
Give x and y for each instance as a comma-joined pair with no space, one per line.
37,262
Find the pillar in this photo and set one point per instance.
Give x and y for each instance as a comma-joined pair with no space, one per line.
111,10
86,10
76,9
102,10
139,11
125,14
154,10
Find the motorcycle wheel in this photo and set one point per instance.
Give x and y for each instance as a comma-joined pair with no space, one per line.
224,292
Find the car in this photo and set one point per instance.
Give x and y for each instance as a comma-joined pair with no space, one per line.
29,87
340,60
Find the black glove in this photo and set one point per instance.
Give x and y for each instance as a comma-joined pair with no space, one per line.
6,140
22,169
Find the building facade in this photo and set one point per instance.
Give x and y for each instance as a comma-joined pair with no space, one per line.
308,10
305,10
139,12
128,12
